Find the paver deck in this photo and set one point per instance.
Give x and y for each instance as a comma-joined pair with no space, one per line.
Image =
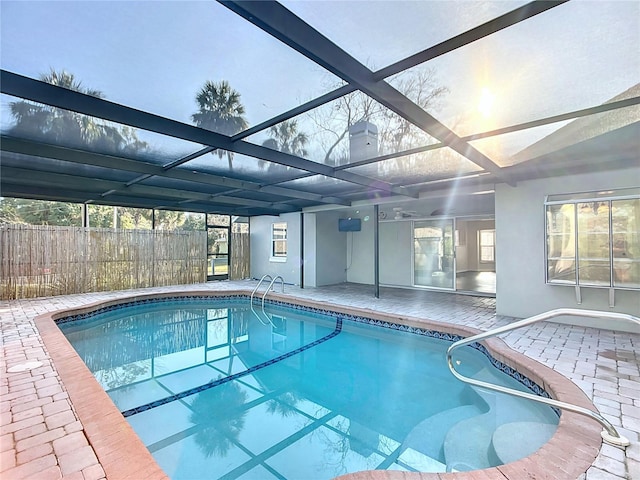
42,437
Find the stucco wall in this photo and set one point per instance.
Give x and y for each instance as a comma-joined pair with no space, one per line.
330,259
359,251
310,241
261,263
396,253
520,238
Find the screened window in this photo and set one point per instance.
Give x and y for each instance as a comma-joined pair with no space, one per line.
594,240
175,220
279,240
39,212
487,246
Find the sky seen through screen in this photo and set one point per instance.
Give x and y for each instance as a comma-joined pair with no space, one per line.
155,56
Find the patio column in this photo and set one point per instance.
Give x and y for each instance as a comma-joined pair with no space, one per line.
85,215
301,249
376,252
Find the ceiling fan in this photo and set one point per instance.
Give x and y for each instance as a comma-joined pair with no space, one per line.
400,213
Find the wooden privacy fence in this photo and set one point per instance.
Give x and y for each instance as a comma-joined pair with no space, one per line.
41,261
239,261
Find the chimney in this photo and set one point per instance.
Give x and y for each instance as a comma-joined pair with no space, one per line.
363,141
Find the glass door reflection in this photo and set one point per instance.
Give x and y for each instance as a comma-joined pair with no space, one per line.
433,254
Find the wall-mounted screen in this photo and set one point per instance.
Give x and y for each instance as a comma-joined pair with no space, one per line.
349,224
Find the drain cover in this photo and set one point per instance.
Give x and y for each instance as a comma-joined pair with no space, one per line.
23,367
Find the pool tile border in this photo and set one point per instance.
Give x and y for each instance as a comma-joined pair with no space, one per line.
569,453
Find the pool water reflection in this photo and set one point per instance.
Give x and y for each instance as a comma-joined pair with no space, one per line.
215,390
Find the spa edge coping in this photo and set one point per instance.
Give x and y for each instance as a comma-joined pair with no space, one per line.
568,454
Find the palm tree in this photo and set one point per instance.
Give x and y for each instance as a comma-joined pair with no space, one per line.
286,138
53,123
60,126
220,110
285,404
219,416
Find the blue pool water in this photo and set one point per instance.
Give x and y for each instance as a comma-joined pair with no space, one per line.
215,390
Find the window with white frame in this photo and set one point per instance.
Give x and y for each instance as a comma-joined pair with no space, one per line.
279,241
593,239
487,246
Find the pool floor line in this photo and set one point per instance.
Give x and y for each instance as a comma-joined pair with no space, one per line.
391,458
220,381
278,447
157,378
187,432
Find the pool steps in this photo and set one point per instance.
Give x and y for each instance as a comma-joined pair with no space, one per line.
469,444
508,451
425,437
472,437
609,433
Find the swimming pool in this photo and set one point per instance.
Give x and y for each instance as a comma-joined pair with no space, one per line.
216,392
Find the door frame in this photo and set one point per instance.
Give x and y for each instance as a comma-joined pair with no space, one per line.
473,239
211,257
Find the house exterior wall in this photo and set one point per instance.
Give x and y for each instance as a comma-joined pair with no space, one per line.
359,251
521,290
396,253
310,241
333,257
261,261
324,249
331,245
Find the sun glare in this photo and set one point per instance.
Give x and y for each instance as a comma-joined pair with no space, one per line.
485,103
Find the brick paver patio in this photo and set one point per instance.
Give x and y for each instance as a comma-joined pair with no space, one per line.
41,436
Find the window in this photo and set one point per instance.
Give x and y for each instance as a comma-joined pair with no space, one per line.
279,241
487,246
594,239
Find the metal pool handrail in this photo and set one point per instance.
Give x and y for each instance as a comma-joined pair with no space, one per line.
260,283
264,277
609,433
273,280
270,287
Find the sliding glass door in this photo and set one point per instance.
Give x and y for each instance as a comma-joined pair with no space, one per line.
434,254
